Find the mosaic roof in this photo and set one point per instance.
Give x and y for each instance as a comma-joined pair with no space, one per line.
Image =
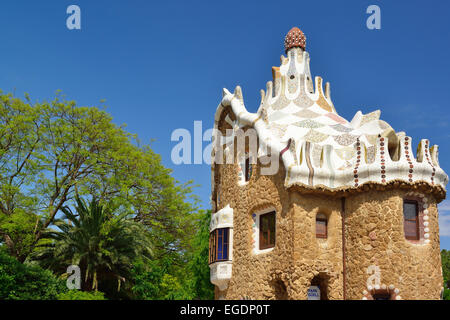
323,148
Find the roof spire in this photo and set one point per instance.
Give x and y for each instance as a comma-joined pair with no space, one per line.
294,38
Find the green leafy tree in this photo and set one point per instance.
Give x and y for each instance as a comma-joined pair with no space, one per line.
160,280
20,281
52,151
445,256
103,244
198,265
18,230
165,279
81,295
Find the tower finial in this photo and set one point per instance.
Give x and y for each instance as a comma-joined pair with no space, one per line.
294,38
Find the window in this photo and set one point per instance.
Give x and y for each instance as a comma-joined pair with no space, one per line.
382,296
411,219
321,226
219,245
267,230
248,169
218,192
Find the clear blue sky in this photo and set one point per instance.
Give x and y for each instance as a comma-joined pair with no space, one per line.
162,65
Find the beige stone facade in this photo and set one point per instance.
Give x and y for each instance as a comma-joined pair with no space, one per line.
342,192
374,242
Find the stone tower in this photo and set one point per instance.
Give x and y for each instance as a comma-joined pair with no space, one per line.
309,205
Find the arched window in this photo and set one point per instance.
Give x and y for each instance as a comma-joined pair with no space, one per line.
382,296
321,226
386,293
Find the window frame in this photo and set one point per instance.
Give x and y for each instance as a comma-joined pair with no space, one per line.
262,243
247,169
323,218
214,239
416,220
382,296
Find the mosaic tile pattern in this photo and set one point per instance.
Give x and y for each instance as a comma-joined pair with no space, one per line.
294,38
294,109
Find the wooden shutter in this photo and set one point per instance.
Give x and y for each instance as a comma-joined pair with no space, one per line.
411,220
267,230
321,228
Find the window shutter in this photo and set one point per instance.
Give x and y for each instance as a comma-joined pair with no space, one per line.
411,220
321,228
267,230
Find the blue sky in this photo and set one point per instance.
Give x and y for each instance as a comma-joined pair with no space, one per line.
162,65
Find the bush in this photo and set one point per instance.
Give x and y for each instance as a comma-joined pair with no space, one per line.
27,282
81,295
446,294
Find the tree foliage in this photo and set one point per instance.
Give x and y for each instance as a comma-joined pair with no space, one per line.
52,151
163,279
81,295
20,281
104,245
445,256
198,264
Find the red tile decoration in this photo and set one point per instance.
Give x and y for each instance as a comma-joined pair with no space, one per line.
411,166
295,38
429,162
383,161
358,161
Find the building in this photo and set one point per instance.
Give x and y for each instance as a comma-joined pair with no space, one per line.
304,200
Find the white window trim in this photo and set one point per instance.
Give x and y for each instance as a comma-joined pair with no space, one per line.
221,219
255,235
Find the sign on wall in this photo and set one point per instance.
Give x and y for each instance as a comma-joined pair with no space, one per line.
314,293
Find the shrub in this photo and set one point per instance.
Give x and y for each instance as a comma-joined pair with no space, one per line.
81,295
20,281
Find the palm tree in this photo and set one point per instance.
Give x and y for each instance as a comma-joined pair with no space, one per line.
103,244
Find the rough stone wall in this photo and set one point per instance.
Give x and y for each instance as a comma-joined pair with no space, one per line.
287,271
259,276
375,237
316,258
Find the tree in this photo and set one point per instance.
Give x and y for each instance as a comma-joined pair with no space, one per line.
202,287
81,295
160,280
104,245
52,151
445,256
165,278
